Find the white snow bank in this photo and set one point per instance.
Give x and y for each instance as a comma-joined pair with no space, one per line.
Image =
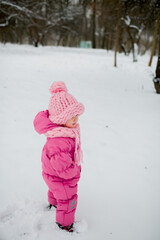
119,188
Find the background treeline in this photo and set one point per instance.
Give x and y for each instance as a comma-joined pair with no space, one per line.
67,23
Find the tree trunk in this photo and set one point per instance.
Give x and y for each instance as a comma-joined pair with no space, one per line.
158,62
117,32
132,43
109,42
84,25
156,80
154,40
94,24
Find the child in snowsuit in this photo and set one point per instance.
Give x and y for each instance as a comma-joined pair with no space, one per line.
61,155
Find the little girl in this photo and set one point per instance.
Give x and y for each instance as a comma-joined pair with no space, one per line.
61,155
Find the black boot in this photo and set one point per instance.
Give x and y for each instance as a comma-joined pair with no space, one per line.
66,228
50,206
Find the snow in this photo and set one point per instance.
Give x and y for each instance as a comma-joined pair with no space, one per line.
119,187
127,20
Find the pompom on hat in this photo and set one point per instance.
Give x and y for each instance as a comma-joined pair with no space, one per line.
63,106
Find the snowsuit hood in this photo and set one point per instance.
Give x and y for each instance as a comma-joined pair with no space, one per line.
42,123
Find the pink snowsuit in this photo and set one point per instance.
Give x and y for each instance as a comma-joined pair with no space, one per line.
60,172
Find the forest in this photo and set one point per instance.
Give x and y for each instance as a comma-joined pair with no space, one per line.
128,25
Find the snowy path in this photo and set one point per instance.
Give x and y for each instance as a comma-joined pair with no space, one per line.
119,188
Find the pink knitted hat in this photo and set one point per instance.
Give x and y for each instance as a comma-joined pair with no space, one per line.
63,106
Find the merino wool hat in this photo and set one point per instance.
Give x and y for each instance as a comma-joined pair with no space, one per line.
62,106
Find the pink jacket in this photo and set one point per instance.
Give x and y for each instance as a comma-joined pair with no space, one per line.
58,153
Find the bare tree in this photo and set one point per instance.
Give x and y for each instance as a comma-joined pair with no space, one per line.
156,80
154,39
117,32
94,24
134,33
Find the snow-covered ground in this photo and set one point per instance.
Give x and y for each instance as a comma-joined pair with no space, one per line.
119,190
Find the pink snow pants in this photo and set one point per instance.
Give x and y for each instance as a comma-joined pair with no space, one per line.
64,195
